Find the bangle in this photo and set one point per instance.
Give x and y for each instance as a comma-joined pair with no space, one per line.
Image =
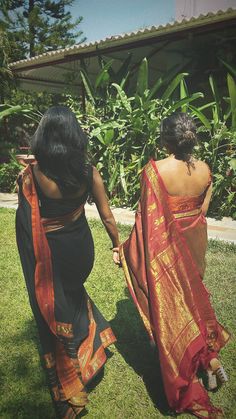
115,249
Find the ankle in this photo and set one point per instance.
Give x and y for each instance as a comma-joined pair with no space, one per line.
215,364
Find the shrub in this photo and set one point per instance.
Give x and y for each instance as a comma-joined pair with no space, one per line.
8,175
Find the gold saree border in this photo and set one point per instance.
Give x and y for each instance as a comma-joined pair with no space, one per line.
130,285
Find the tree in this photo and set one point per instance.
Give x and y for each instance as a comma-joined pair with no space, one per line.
37,26
6,75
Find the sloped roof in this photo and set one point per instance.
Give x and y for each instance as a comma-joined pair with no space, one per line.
28,70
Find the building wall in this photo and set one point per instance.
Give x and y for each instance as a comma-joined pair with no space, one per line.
188,8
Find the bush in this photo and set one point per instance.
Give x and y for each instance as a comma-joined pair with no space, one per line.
8,175
218,149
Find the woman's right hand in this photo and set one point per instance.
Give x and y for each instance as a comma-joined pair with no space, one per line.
116,256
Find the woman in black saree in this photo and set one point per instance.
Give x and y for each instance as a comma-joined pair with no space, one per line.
57,254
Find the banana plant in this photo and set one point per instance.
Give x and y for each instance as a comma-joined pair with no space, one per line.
126,136
98,90
9,110
232,95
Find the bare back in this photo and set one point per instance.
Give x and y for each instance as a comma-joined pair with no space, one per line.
50,188
183,180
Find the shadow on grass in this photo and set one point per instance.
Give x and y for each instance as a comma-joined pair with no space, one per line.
133,344
28,382
24,391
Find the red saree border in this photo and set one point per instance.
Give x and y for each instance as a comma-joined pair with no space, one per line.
43,272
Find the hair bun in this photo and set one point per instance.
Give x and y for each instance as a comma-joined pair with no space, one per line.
188,139
178,133
189,135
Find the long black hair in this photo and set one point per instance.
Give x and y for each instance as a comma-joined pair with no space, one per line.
60,148
178,134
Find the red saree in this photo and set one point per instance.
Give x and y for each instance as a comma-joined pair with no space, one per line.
164,262
73,341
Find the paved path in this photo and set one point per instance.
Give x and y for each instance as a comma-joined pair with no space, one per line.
224,229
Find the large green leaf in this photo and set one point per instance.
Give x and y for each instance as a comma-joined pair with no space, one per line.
123,72
103,77
206,106
124,99
113,178
124,80
172,86
184,102
88,87
183,92
108,136
217,114
122,178
142,80
232,95
232,164
155,88
201,117
13,110
164,80
97,133
231,69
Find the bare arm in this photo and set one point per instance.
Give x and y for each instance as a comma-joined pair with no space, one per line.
101,201
207,199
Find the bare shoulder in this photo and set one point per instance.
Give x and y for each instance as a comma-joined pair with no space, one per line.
202,167
164,165
97,179
47,185
96,175
162,162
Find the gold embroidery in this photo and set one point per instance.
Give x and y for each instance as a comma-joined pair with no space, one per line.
163,260
164,235
151,208
188,213
49,360
106,337
159,221
177,327
155,268
56,393
64,329
80,400
26,179
152,178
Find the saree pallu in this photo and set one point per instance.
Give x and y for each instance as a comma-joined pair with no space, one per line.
164,262
73,333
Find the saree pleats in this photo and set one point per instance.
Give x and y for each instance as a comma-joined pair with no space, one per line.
73,334
164,262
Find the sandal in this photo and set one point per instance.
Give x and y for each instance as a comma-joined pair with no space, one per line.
221,375
211,380
218,370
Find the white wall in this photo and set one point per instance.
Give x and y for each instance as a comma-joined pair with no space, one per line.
189,8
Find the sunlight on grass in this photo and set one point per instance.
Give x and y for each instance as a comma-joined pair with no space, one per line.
130,387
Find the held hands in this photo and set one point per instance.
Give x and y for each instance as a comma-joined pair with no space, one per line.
116,256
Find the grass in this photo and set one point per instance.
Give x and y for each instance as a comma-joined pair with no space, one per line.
130,387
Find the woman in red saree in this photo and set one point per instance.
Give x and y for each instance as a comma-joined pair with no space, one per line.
57,254
164,264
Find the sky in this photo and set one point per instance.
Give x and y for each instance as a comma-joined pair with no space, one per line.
103,18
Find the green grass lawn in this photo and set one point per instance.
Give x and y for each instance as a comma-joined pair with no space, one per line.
130,387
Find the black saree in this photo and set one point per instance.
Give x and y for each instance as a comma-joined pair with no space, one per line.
57,256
